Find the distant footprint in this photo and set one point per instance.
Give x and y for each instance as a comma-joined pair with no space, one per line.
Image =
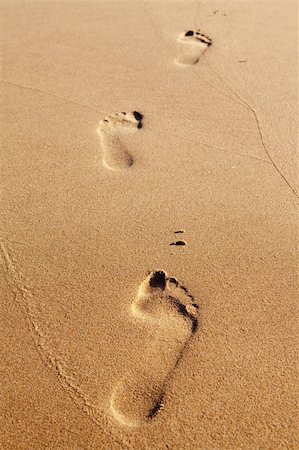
193,45
115,155
170,315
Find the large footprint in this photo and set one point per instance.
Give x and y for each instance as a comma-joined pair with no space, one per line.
115,154
170,314
192,45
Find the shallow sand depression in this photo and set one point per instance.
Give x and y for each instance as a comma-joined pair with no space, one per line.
148,225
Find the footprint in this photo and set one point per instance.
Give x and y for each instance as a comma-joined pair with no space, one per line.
194,44
115,154
169,314
178,243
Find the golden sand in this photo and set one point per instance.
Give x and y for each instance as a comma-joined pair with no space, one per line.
148,225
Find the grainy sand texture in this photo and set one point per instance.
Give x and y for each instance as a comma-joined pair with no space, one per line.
148,232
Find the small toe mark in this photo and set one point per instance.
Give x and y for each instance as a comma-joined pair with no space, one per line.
174,281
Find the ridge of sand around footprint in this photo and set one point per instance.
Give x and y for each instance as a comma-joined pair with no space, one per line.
192,44
171,314
115,154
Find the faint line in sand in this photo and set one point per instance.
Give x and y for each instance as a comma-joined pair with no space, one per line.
24,298
247,106
240,100
51,94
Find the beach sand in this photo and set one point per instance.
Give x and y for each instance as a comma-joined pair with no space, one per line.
126,130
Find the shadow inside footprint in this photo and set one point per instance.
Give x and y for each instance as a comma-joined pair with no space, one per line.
158,279
178,243
166,307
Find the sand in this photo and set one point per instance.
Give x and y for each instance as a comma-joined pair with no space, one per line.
129,126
